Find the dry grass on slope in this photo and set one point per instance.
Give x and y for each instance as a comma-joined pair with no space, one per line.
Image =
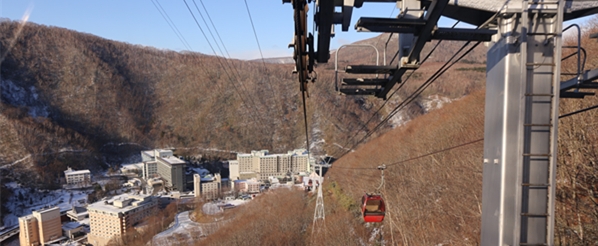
284,217
434,199
577,170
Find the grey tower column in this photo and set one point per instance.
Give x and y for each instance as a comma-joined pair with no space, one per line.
523,70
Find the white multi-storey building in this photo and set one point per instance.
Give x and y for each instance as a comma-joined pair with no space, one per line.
261,164
77,177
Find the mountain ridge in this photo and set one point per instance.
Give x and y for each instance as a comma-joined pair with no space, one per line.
63,89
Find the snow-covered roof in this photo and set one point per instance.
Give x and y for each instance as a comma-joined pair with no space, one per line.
80,210
108,205
132,166
73,172
200,171
207,178
71,225
173,160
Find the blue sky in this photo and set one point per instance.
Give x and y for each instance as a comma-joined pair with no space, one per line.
139,22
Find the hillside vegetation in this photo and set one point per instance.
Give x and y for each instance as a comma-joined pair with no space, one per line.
436,199
75,99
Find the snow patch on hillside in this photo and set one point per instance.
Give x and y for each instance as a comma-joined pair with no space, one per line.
399,119
435,102
18,95
428,104
23,201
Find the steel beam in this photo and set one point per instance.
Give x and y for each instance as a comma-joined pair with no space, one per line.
578,95
463,34
358,91
324,17
412,59
370,69
432,16
360,81
587,76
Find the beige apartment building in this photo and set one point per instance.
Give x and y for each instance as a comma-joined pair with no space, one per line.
40,227
261,164
28,231
113,217
211,190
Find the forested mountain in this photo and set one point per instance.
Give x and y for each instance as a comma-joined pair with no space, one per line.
75,99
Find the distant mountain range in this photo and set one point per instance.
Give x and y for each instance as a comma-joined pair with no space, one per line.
276,60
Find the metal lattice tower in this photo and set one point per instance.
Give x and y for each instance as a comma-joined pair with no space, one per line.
319,215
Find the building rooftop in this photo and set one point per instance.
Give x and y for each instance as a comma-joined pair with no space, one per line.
71,225
120,204
132,166
79,209
266,154
47,209
70,171
173,160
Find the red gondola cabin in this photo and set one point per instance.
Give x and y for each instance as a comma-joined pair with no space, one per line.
372,208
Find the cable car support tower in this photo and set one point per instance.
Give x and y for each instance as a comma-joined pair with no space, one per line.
319,214
523,89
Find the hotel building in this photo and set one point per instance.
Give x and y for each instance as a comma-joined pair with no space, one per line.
113,217
40,227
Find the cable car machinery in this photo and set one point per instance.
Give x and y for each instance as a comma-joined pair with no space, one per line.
416,23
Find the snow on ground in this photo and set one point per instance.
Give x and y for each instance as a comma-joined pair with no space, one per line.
24,200
211,209
338,145
435,102
430,103
15,162
186,232
237,202
399,119
18,95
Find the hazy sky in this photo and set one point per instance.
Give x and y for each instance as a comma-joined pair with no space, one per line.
140,22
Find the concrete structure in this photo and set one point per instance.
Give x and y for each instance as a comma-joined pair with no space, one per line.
233,167
167,166
149,170
72,230
40,227
113,217
211,189
247,186
29,233
78,213
261,164
133,170
77,177
196,185
155,181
